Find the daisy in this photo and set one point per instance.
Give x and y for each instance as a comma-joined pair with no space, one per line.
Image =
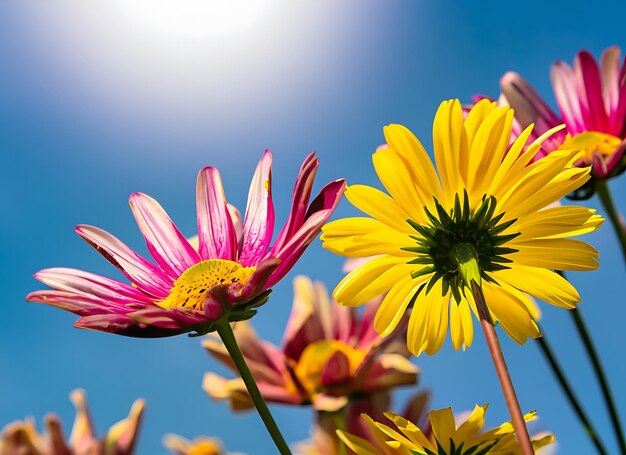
486,206
443,437
188,288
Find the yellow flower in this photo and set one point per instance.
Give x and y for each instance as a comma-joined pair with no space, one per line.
442,438
488,203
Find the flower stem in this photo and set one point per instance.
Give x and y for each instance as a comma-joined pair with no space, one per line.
546,349
609,401
607,201
225,332
340,423
517,418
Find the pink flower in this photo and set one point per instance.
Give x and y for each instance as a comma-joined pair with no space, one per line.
592,104
121,439
328,354
187,288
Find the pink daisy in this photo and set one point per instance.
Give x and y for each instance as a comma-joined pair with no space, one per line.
188,288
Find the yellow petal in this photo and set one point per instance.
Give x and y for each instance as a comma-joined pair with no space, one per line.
394,305
402,141
556,254
379,205
541,283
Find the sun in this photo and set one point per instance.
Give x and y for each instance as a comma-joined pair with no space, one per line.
194,18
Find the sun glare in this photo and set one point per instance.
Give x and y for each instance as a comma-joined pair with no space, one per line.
194,18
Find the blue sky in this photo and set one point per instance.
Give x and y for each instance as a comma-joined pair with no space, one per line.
99,100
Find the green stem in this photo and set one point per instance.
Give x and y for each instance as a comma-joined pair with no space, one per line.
546,349
517,418
601,377
607,201
340,422
228,338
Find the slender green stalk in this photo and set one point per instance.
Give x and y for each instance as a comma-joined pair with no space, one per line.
601,376
228,338
339,418
607,201
517,418
546,349
592,352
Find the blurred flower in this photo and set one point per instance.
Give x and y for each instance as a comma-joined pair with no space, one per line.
22,438
324,436
202,445
592,104
329,353
445,438
226,276
491,204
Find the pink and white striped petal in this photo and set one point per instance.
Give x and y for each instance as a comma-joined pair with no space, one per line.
144,274
317,214
167,245
258,225
216,233
301,197
90,284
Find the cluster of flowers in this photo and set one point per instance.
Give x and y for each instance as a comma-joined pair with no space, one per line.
479,232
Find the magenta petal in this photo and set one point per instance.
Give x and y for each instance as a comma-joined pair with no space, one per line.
336,370
300,200
567,97
216,233
83,305
165,242
318,213
216,303
113,323
368,334
258,225
85,283
258,282
123,325
615,159
530,108
610,71
137,269
590,84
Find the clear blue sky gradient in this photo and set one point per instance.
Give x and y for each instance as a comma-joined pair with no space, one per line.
87,120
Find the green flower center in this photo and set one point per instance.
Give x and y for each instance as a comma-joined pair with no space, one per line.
451,239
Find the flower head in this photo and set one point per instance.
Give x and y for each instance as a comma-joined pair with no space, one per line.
121,439
487,207
202,445
227,275
329,354
444,437
592,105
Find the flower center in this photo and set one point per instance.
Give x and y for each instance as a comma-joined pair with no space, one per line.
189,289
449,235
593,142
312,366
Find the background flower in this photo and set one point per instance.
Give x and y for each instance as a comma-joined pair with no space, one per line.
328,354
592,102
121,439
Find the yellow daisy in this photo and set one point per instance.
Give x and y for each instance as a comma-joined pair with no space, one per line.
442,437
488,202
